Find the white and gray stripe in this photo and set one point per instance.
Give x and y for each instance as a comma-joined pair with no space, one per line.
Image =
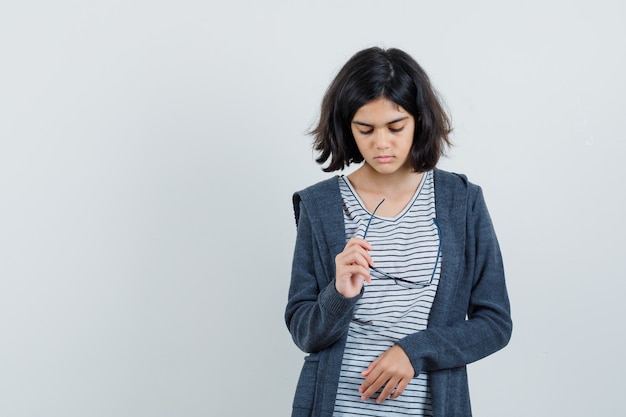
406,247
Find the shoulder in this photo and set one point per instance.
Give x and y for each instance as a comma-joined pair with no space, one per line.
456,196
320,197
320,189
452,182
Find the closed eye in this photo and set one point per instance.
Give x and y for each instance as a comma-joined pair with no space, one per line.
396,129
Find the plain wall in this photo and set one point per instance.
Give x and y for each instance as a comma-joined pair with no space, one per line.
149,150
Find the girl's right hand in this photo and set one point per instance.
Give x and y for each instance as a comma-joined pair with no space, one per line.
352,267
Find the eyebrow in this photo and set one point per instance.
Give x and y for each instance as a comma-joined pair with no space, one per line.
356,122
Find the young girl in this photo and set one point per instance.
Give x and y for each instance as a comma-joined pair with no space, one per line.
397,280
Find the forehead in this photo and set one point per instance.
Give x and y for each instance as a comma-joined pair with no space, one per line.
380,109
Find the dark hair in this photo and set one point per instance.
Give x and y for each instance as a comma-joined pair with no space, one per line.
370,74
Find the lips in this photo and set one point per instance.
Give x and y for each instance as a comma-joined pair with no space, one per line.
383,159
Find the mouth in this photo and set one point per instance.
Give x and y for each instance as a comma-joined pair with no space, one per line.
383,158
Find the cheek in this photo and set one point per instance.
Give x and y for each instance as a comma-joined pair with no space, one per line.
409,139
356,137
361,148
360,143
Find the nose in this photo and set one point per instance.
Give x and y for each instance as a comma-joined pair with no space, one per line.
381,139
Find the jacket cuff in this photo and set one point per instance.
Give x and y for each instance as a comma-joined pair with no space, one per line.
335,304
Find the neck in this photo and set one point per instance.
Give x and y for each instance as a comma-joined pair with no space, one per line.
388,185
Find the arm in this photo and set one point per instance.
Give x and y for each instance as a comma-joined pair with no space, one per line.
480,294
317,315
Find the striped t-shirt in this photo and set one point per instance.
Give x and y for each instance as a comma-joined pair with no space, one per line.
406,246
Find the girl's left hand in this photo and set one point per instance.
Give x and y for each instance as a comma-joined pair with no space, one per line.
392,369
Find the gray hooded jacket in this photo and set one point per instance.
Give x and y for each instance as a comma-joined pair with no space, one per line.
470,316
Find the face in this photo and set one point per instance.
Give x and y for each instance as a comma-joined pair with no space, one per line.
383,132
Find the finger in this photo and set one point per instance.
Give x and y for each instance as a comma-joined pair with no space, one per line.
371,367
352,256
372,384
362,259
360,245
359,242
355,271
373,388
400,388
387,391
360,255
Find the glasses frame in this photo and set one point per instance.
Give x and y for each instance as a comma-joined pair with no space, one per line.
401,281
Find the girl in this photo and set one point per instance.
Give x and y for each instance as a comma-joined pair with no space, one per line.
397,279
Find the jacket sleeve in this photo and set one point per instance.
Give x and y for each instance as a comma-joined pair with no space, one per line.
317,315
484,324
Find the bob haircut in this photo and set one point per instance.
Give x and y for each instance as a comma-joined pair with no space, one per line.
370,74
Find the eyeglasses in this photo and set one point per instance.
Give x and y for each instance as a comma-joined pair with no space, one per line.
401,281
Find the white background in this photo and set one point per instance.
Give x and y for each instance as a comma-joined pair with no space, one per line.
149,149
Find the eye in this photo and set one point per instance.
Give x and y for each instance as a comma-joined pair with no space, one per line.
365,132
396,129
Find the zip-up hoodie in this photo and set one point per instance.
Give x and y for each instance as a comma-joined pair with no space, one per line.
470,316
